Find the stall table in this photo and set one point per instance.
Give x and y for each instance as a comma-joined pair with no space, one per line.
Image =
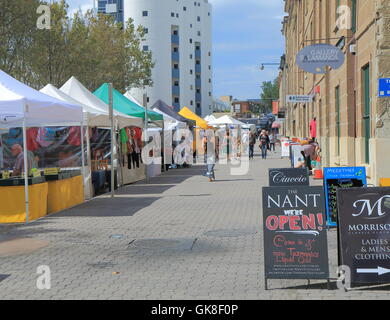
65,190
12,199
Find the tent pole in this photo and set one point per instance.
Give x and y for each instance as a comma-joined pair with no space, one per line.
146,131
89,158
112,137
25,170
82,152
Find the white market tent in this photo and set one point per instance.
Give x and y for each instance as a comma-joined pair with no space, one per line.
210,118
226,120
129,96
23,106
77,91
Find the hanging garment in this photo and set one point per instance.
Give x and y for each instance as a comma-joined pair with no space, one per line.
46,136
74,138
124,140
31,136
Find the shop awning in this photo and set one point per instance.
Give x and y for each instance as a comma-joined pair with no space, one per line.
187,113
124,105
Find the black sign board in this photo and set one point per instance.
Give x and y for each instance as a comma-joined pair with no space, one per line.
364,233
295,239
285,177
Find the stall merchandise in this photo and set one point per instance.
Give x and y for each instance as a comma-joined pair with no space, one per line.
22,106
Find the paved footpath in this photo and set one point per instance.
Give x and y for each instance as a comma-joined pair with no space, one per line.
176,236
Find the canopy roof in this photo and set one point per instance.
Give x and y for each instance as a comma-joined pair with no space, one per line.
227,120
210,118
162,106
187,113
129,96
19,103
94,105
169,122
91,116
124,105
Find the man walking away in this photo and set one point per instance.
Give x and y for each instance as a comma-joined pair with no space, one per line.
252,142
272,141
264,141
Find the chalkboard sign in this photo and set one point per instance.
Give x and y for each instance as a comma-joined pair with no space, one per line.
364,233
288,177
295,239
340,178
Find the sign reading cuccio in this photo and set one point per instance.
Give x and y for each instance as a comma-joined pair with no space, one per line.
284,177
295,239
364,233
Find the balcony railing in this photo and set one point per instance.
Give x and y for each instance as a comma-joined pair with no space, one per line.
176,90
175,38
175,56
175,73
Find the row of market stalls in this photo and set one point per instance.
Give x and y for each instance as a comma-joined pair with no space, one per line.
62,146
56,145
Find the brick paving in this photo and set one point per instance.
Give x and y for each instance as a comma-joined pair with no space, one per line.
175,236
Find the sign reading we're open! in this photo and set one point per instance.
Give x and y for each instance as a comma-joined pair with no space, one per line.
295,239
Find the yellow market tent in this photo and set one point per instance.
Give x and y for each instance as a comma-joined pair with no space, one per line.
187,113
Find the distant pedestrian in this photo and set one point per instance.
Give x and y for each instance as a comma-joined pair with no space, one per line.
252,142
264,143
272,141
210,157
313,128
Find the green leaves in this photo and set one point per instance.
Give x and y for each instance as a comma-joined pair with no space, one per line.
92,48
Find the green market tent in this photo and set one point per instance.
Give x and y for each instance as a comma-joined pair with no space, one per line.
124,105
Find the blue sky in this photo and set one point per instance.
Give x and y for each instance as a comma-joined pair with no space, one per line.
246,33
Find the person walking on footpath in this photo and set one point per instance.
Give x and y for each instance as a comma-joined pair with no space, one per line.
252,142
272,141
264,142
209,143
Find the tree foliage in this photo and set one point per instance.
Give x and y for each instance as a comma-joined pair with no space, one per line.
94,49
270,92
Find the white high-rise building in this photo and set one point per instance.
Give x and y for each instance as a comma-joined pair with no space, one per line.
179,36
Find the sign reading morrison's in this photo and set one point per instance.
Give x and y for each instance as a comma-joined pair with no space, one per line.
364,232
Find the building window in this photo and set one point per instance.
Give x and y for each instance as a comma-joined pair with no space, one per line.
177,15
354,17
199,33
191,71
175,66
172,14
146,30
175,49
366,111
145,13
192,103
197,48
145,48
190,56
337,106
184,8
176,100
175,32
190,40
198,18
176,83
